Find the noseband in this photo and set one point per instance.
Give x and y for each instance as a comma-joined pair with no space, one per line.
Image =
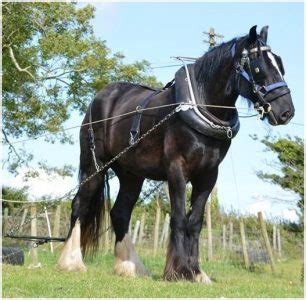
263,93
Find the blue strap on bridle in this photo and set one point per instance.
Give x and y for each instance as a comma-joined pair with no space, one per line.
274,86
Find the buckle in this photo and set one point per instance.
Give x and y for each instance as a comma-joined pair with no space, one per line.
263,89
133,136
267,107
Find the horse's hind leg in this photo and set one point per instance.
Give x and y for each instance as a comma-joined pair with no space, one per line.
84,225
127,262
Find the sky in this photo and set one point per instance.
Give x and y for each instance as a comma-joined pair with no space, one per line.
157,31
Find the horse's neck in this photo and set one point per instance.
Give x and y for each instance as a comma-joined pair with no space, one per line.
219,90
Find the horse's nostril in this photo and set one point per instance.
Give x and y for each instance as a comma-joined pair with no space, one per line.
285,115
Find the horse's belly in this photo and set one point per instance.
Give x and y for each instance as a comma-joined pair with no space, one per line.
147,161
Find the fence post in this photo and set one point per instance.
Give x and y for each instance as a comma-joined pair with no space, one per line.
130,227
25,212
274,238
209,232
57,221
266,240
223,236
141,229
230,238
167,225
279,245
34,254
5,220
49,228
244,246
156,226
166,190
136,229
163,235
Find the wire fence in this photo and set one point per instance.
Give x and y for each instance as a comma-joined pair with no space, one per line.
150,234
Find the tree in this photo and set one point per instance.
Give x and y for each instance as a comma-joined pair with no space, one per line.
9,193
290,154
53,65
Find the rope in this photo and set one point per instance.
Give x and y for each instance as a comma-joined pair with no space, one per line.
105,166
124,115
27,202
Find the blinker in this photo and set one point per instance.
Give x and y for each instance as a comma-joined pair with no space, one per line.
258,69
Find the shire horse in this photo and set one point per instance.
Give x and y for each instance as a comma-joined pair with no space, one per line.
179,151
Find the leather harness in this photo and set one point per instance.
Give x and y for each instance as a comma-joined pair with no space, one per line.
135,129
204,122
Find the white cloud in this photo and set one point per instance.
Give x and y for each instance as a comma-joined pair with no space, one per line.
44,185
260,204
289,214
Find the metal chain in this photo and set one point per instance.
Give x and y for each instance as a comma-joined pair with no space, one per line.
100,169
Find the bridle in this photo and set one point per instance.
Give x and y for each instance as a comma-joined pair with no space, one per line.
263,93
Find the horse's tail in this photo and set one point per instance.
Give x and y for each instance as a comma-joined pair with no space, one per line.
91,220
90,200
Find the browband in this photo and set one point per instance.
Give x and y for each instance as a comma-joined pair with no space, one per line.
262,48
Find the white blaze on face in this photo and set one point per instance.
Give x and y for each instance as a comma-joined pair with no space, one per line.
274,63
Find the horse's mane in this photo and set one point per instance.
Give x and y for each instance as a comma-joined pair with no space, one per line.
211,61
219,57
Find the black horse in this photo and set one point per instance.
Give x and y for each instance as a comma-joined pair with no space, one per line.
179,151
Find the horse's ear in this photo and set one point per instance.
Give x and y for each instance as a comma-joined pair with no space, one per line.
252,35
264,33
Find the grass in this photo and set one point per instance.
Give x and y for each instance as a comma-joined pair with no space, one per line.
100,282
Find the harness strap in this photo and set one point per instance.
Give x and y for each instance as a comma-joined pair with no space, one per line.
91,139
135,129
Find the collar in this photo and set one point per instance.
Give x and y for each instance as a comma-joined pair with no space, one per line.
203,122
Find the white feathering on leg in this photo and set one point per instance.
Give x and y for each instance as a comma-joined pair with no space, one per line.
71,257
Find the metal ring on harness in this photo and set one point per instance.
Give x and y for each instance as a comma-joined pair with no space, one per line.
229,133
138,109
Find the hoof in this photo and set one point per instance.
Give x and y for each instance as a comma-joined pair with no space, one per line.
71,263
127,262
125,268
202,278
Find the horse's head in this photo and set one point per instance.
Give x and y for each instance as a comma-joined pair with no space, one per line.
261,79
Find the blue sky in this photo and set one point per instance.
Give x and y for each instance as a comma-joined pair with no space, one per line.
157,31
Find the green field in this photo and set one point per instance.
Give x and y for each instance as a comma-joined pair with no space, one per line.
99,281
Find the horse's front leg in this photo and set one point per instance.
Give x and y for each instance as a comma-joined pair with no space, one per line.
201,188
177,266
183,251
